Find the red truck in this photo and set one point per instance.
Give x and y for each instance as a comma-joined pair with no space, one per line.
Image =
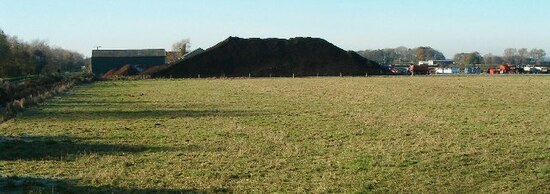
419,69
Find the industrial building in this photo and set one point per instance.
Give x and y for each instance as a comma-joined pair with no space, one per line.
105,60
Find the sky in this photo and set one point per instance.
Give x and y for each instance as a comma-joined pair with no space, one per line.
451,26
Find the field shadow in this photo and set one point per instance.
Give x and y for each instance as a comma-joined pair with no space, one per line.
44,185
76,115
71,104
60,148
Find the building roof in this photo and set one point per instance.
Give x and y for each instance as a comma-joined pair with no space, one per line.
130,53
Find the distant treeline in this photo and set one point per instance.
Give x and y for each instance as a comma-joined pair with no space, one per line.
404,55
515,56
20,58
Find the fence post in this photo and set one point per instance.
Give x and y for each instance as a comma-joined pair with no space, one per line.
293,75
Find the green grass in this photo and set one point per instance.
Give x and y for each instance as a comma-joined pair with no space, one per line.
381,135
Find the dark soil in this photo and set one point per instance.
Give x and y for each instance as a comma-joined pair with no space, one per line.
237,57
126,70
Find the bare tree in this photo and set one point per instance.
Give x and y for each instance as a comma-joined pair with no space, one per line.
510,55
498,60
488,59
537,55
522,55
182,47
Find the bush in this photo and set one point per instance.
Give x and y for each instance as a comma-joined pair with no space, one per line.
15,96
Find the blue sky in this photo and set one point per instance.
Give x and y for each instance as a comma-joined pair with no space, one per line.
451,26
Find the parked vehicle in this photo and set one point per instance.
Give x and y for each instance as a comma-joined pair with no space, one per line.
447,70
505,68
535,69
472,70
421,69
542,69
400,70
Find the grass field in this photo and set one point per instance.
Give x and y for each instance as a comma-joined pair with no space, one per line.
384,134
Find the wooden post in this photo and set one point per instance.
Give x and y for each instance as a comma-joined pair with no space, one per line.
199,76
340,74
366,74
249,75
293,75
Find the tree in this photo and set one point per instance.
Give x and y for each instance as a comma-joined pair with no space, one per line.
467,59
498,60
421,54
488,59
406,55
181,47
537,55
41,54
375,55
4,52
428,53
402,55
390,56
510,55
37,57
523,53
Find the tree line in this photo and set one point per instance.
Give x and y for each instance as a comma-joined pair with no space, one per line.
522,56
402,55
21,58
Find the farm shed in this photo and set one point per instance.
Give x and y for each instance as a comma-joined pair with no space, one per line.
105,60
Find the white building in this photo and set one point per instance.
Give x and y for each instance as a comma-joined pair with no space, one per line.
436,62
447,70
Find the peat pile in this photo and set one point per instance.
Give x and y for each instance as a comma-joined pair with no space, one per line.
126,70
237,57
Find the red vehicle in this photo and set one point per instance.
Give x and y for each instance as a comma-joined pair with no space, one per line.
419,69
504,69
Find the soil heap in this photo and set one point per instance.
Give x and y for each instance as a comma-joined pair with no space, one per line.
237,57
126,70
